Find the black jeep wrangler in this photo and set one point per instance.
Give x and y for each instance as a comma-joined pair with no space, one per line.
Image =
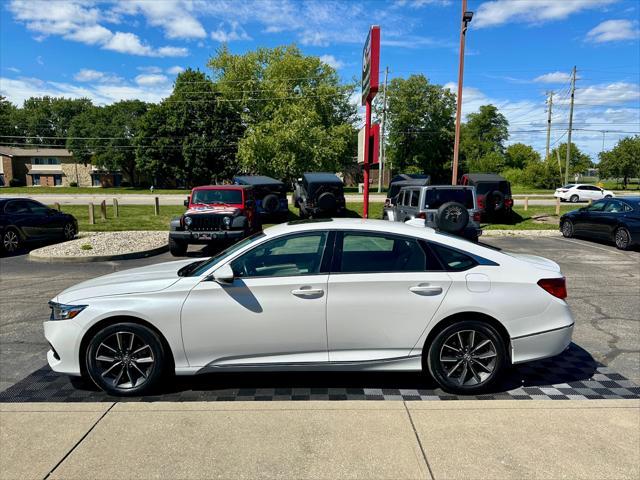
319,195
270,196
493,193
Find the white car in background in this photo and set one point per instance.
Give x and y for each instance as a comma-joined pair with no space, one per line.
337,294
580,192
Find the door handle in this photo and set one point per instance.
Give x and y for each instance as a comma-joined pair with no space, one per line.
426,290
307,292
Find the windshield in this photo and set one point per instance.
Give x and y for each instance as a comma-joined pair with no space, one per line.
216,196
436,197
203,266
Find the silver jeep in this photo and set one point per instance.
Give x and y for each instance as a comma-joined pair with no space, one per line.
448,208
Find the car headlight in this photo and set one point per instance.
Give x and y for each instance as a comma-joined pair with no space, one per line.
64,312
226,221
188,221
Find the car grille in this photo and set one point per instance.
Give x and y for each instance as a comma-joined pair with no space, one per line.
206,222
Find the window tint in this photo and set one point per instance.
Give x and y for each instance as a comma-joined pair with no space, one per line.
217,196
453,259
596,207
37,208
436,197
372,252
17,206
283,257
614,207
415,197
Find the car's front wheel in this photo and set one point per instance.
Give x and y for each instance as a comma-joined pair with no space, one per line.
467,357
69,231
178,248
622,238
574,199
567,229
10,241
125,359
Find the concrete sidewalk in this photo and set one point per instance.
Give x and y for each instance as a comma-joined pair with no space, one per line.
369,440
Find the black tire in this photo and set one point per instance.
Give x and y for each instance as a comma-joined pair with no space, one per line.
567,228
178,248
574,199
69,231
495,201
11,242
622,238
452,217
608,196
464,365
270,203
125,359
327,202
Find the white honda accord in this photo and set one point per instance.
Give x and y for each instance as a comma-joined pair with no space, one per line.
341,294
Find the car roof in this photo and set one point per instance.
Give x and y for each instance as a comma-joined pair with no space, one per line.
222,187
411,177
321,177
485,177
256,180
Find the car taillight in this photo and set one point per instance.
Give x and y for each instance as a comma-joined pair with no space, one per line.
481,201
422,215
555,286
509,202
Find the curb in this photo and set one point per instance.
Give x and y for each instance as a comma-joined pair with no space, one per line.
34,257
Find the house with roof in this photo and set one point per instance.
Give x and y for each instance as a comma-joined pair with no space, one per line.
51,167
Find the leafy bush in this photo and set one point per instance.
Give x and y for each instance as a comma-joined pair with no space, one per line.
514,175
73,184
86,246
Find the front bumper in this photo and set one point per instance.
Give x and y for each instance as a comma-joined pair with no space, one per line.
206,236
64,336
541,345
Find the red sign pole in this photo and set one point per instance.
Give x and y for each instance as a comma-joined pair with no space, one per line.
367,132
370,74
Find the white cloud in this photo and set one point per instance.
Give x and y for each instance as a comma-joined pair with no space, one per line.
553,77
498,12
235,33
89,75
332,61
175,70
614,30
617,93
150,69
91,35
13,69
171,52
175,17
151,79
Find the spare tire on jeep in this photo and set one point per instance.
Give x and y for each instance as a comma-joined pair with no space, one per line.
270,203
495,201
327,202
452,217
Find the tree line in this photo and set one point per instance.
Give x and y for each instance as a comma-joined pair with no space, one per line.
280,113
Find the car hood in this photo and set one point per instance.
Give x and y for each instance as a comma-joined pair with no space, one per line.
136,280
536,261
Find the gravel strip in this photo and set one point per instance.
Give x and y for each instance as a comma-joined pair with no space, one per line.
105,243
521,233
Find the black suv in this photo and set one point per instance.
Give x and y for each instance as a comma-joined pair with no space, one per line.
319,195
493,193
270,195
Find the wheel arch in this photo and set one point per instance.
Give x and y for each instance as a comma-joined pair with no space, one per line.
470,315
106,322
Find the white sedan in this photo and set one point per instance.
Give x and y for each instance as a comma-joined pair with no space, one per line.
578,192
341,294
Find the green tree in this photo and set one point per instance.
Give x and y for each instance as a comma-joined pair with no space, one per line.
519,155
297,113
8,129
192,135
482,140
623,161
578,162
420,126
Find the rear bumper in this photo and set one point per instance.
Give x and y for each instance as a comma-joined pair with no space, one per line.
541,345
206,237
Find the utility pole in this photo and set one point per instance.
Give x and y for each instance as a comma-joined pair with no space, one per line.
383,160
573,93
550,103
466,18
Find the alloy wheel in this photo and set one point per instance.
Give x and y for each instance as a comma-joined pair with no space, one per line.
567,228
125,360
10,241
468,357
69,231
622,238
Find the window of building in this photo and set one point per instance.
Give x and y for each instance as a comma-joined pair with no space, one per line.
95,180
57,180
45,161
35,179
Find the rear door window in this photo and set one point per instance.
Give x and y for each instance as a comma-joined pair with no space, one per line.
436,197
453,260
415,197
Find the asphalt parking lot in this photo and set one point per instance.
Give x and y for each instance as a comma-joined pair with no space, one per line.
604,293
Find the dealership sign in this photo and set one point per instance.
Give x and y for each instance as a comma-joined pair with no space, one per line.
371,65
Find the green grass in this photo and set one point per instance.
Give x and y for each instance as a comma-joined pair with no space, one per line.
90,190
141,217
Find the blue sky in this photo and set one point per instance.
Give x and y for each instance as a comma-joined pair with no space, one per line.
516,51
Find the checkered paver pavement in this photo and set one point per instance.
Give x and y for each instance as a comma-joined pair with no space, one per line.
572,375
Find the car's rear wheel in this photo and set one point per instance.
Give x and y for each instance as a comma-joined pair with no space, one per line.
11,241
622,238
567,229
467,357
125,359
574,199
69,231
178,248
607,196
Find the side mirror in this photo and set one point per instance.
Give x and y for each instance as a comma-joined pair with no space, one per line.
187,201
224,274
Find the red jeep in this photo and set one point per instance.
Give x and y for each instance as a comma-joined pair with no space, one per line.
215,213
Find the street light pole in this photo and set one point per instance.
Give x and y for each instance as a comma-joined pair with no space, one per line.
466,18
